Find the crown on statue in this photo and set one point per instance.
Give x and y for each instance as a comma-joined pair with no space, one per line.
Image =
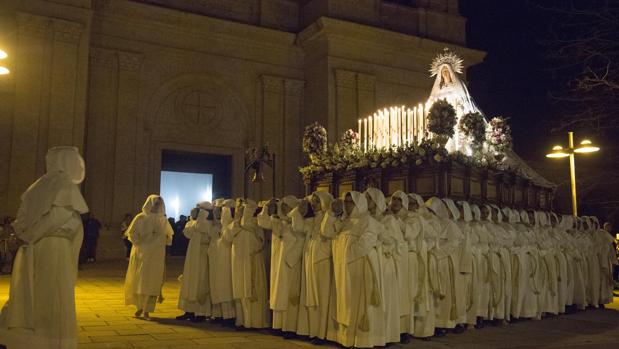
449,58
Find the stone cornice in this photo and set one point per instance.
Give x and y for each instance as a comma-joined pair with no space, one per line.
137,18
390,42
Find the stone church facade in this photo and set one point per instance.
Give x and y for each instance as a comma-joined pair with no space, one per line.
124,80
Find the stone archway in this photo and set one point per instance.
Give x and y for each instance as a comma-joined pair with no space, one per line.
197,113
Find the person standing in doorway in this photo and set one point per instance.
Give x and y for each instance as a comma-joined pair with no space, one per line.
124,225
92,227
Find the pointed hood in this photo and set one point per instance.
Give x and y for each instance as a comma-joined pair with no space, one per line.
379,199
325,199
476,212
466,209
438,207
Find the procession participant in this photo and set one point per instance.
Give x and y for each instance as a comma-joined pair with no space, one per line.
444,255
472,279
550,303
462,276
390,249
45,267
505,238
149,233
249,282
420,235
317,311
559,240
286,258
194,296
607,259
219,256
481,249
355,269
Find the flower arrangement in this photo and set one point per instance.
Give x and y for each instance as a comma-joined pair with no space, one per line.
314,140
350,139
441,120
473,126
499,135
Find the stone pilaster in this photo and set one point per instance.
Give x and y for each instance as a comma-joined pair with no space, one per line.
126,129
345,101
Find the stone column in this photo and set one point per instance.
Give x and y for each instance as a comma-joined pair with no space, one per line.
366,86
273,109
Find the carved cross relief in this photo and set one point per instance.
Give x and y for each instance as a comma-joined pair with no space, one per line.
199,108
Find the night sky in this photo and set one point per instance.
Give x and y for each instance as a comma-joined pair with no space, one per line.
516,80
513,81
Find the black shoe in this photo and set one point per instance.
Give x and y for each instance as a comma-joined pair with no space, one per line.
459,329
439,332
186,316
405,338
318,341
198,319
2,346
288,335
479,323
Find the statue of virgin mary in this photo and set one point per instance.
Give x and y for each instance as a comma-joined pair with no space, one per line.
447,85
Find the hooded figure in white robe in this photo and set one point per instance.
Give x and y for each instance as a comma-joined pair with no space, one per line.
443,266
317,311
356,268
150,233
471,246
194,297
561,246
505,235
286,260
45,266
607,259
249,281
391,247
220,256
549,263
481,275
524,271
420,235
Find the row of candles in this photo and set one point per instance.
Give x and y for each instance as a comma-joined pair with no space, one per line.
394,126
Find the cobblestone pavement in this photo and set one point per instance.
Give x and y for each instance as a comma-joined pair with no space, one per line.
104,322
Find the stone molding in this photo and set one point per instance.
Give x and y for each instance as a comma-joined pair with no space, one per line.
345,78
272,84
67,31
33,25
102,57
294,87
129,61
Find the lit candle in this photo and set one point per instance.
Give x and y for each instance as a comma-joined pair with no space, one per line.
365,127
370,134
359,128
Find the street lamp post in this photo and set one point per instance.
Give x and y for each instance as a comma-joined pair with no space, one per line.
559,152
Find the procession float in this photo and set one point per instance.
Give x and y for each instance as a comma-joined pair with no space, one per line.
445,147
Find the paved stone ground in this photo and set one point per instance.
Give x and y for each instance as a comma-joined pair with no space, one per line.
104,322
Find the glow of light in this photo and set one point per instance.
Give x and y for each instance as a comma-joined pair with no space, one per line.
4,70
557,152
176,205
3,54
586,147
